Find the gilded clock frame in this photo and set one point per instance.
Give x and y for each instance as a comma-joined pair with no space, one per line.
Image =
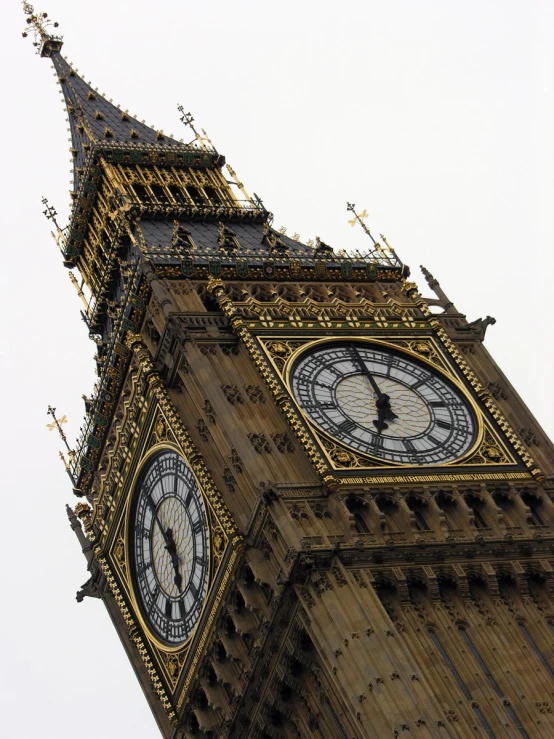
128,523
157,425
424,349
433,366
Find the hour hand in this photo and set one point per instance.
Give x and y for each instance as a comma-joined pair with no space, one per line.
172,549
379,422
383,404
178,579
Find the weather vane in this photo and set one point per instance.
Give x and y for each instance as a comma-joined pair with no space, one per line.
188,120
57,424
50,212
38,23
359,218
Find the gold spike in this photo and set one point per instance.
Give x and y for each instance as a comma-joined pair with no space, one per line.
80,292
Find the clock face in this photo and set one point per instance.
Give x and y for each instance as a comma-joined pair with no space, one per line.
170,550
383,403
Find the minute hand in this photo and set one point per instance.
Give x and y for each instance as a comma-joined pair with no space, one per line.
169,544
383,400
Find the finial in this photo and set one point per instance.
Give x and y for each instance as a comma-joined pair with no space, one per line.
431,281
188,120
359,218
57,424
389,247
80,292
50,212
45,43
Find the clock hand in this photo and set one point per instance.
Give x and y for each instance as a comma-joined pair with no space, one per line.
172,549
383,400
170,545
380,424
157,520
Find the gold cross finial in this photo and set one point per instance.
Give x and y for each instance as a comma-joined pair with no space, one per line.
54,424
57,424
359,218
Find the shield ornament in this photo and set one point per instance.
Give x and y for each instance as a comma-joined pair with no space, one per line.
187,267
135,301
371,270
295,269
269,269
214,267
346,270
242,268
321,270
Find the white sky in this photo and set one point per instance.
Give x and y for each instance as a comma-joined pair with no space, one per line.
435,115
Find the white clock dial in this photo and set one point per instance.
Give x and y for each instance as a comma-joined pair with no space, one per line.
170,551
383,403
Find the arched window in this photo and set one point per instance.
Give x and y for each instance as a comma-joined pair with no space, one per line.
507,506
476,505
358,509
534,503
420,510
448,505
389,509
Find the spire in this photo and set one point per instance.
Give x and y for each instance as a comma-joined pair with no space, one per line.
442,298
94,121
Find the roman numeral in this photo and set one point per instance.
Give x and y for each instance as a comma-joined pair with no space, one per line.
437,403
436,442
155,594
419,383
347,426
320,384
197,526
142,570
444,425
188,498
409,446
168,608
182,610
193,589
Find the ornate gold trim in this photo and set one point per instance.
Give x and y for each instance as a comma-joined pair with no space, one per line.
484,395
166,431
282,399
206,631
134,635
283,353
488,449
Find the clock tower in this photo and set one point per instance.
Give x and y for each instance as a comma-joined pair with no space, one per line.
309,499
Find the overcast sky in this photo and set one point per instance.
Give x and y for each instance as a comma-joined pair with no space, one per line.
436,116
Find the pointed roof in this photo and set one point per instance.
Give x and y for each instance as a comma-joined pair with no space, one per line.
95,120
